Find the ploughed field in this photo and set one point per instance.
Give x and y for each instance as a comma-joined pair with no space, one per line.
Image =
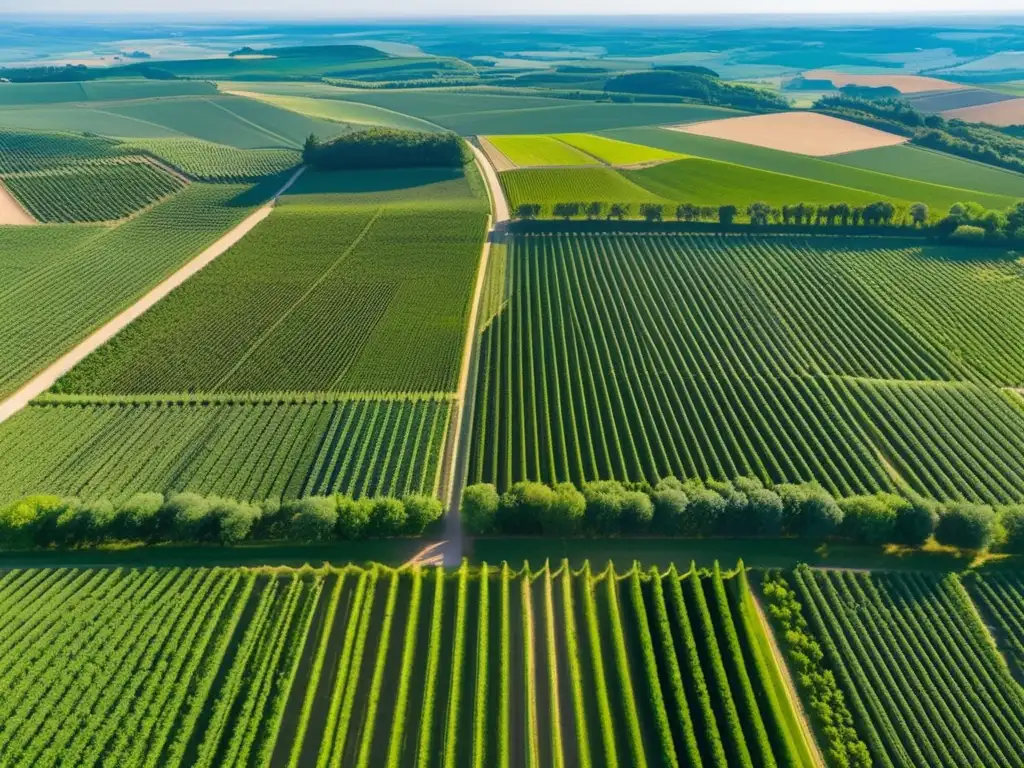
874,365
383,667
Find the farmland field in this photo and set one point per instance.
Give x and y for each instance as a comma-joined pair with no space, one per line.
710,182
636,357
615,152
341,289
529,150
26,94
548,186
61,282
252,448
206,161
906,173
1000,599
36,151
921,676
333,108
92,193
374,667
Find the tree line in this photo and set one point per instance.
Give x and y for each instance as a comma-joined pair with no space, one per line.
191,518
968,221
696,84
386,148
743,507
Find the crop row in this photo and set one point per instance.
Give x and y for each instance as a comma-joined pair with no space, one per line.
206,161
359,447
382,667
923,680
102,192
61,282
1001,600
317,298
636,357
37,151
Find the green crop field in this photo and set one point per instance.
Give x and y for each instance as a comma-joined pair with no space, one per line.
641,356
25,94
548,186
206,161
61,282
1000,598
918,670
933,167
277,446
471,113
219,118
615,152
332,108
334,292
710,182
532,150
92,193
35,151
382,667
993,188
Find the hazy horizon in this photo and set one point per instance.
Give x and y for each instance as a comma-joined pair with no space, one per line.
469,9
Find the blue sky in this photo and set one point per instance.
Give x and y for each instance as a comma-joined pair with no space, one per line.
382,8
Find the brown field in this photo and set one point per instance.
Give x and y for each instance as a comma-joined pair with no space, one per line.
11,211
805,133
1001,113
902,83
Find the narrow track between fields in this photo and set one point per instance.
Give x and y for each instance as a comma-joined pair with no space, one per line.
48,377
455,460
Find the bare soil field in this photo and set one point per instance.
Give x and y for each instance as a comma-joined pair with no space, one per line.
497,158
11,211
1009,112
805,133
902,83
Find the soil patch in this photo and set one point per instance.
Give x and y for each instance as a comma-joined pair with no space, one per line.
11,211
805,133
902,83
1009,112
498,160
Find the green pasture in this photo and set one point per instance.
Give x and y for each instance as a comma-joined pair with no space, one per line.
530,150
27,94
997,184
339,111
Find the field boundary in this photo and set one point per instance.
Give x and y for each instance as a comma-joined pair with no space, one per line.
49,376
12,212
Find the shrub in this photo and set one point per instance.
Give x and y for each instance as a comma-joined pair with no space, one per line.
479,508
703,513
968,526
764,512
234,519
808,510
186,517
84,523
1013,523
670,508
313,518
22,522
421,510
353,518
566,511
915,523
136,519
605,500
525,507
965,233
871,519
637,512
387,517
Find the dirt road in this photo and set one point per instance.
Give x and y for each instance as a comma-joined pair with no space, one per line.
46,378
11,211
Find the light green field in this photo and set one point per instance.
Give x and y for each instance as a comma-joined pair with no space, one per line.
532,151
880,185
548,186
340,111
615,152
709,182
